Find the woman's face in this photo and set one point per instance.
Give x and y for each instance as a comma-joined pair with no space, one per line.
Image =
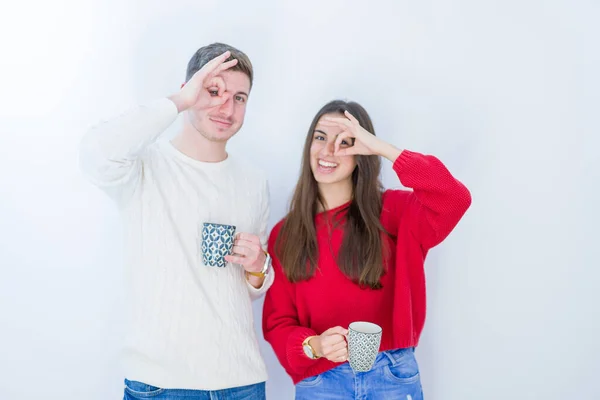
327,168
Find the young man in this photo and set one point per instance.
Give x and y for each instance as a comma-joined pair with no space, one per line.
191,329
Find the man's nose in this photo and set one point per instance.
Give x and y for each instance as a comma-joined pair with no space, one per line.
227,107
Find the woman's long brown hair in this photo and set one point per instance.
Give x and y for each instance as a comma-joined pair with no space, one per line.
362,253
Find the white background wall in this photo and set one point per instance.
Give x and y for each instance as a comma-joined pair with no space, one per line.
505,92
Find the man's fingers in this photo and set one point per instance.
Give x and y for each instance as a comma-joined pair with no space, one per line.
241,251
246,243
210,66
217,84
248,237
235,259
217,92
215,102
225,66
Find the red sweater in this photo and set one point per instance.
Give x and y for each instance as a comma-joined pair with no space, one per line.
419,219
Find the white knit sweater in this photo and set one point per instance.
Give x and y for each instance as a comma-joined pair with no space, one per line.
190,325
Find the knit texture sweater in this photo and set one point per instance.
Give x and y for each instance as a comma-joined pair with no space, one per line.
417,220
190,326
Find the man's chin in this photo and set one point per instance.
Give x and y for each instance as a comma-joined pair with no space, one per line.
219,136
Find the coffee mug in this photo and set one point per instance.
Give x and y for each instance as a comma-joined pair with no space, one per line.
364,339
217,242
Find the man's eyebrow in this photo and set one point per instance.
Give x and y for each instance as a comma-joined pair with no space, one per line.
244,93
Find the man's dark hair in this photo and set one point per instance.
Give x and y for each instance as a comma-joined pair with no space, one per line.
207,53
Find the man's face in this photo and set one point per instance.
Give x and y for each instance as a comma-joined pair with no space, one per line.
220,123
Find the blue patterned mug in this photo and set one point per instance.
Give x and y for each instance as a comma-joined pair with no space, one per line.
364,339
217,242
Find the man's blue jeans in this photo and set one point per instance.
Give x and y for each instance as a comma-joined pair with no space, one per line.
138,390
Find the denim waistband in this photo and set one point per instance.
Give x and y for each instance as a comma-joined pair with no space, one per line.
388,357
391,357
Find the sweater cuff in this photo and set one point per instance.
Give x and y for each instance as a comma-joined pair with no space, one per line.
255,293
168,105
403,161
296,357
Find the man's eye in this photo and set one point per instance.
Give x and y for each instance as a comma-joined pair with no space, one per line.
241,99
213,92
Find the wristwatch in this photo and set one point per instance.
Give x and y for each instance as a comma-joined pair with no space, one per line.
308,349
265,269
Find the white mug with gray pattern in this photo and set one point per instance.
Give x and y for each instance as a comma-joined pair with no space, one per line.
364,339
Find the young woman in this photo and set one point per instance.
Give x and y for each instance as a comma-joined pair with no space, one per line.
348,251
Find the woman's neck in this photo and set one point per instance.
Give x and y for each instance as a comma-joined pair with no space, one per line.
335,194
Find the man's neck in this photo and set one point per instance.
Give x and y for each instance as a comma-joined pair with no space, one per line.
191,143
335,194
